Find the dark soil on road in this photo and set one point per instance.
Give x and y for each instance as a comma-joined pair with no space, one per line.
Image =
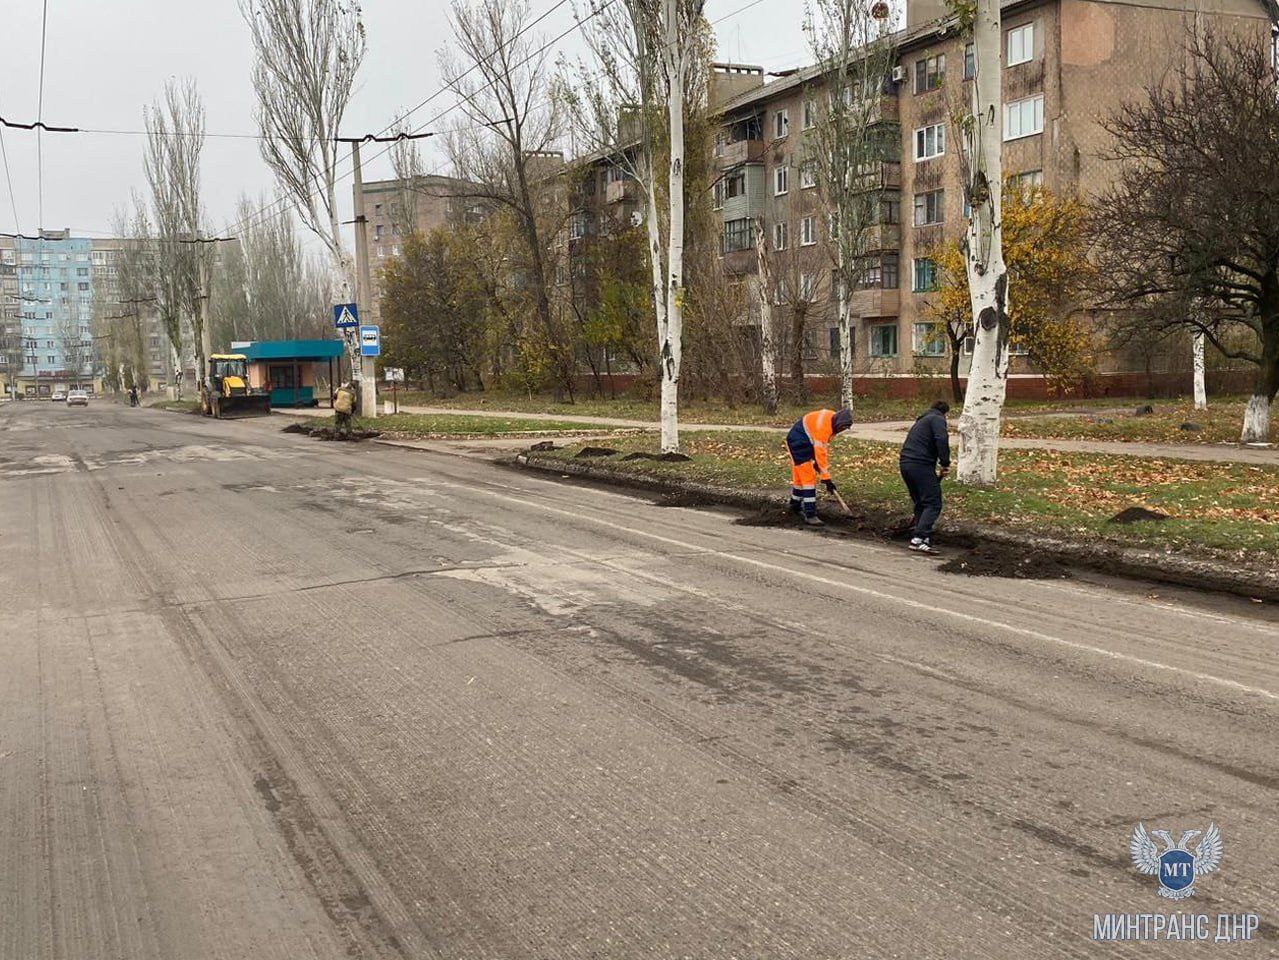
987,560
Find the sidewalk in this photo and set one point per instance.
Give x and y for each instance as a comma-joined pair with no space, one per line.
893,432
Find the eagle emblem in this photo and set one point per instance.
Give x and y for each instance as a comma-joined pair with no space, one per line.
1176,867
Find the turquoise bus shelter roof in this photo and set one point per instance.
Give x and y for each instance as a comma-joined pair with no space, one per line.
304,351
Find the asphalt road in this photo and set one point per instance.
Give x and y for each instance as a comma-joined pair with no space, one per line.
266,697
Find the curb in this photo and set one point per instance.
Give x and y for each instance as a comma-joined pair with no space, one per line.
1129,562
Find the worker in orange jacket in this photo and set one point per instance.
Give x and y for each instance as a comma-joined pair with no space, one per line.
809,445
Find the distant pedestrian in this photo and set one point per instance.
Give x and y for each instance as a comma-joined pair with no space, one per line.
809,446
343,408
133,396
925,459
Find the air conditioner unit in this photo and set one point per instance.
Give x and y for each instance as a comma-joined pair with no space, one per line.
899,74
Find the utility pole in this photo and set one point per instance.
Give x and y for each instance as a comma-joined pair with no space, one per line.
364,289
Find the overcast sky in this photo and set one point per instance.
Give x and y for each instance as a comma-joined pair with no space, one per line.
106,59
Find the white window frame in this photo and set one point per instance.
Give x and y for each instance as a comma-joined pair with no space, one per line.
808,231
781,124
781,181
914,275
1020,45
807,175
807,286
921,142
1018,110
781,235
874,352
809,111
939,208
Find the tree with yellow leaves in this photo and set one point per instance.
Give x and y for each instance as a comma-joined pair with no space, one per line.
1046,252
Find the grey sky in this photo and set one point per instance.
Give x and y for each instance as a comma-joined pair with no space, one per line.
106,59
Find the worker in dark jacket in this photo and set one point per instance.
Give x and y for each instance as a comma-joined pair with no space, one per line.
925,459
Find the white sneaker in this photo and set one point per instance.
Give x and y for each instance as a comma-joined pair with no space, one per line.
922,546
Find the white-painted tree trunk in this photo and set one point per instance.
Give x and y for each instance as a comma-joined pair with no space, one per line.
845,324
1201,392
767,344
987,277
1256,420
671,346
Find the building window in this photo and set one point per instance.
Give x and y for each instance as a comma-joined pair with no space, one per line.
735,184
890,211
576,229
781,124
737,235
883,340
807,175
1024,118
888,264
810,114
970,61
930,142
808,231
925,278
1027,183
929,207
721,141
83,286
717,195
781,235
781,180
930,74
834,343
1021,45
807,286
929,340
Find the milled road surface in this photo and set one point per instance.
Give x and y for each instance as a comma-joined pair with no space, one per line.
266,697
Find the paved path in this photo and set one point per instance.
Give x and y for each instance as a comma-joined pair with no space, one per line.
266,697
893,431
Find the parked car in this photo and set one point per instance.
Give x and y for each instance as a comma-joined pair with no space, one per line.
59,394
78,398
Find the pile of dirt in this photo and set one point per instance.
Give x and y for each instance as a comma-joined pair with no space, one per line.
993,560
1143,411
296,428
1136,514
544,445
328,433
768,518
1191,427
662,457
596,452
685,499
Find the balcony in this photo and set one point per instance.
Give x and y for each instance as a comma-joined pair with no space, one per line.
884,236
875,302
882,175
619,191
739,152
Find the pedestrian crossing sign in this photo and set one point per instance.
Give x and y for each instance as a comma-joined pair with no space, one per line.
345,316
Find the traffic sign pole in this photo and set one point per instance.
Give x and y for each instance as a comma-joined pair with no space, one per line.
364,284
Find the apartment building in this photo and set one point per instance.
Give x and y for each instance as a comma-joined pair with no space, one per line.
1066,65
393,209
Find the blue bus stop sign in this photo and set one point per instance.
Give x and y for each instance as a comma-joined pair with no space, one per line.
370,341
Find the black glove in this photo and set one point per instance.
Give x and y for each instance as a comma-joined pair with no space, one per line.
830,485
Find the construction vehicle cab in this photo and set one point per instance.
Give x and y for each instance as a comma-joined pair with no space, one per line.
226,391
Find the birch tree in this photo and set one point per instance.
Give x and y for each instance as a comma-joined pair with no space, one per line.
982,142
767,339
306,56
175,140
852,44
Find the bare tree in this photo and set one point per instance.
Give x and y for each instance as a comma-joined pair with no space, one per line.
307,53
266,285
767,338
506,145
982,143
1190,230
852,43
175,139
121,325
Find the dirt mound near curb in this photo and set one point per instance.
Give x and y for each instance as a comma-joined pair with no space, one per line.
1136,514
768,518
990,560
661,457
296,428
328,433
588,452
685,499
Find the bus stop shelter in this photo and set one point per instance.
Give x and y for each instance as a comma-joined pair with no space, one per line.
287,368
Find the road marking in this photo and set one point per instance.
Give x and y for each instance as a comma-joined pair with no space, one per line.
881,595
